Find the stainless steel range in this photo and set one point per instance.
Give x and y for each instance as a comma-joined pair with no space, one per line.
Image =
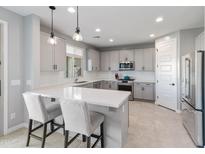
127,85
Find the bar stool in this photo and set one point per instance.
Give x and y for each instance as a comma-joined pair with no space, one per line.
78,119
42,112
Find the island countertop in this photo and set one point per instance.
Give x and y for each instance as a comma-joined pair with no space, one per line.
102,97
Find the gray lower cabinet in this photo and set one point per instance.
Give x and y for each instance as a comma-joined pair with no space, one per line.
144,91
114,85
109,85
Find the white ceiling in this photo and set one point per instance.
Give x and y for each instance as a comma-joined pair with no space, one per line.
125,24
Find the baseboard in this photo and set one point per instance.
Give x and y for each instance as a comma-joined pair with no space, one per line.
14,128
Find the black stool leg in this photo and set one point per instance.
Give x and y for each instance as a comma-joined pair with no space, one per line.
88,142
29,131
66,139
84,138
44,135
102,135
52,125
63,127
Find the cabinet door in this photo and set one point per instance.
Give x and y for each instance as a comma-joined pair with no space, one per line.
126,55
46,54
60,54
138,91
148,91
148,59
105,85
105,61
97,61
114,85
202,47
139,59
114,60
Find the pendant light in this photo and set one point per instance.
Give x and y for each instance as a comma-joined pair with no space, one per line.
52,38
77,36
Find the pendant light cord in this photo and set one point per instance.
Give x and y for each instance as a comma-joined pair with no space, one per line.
77,18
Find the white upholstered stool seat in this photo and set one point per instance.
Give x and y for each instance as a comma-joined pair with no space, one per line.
80,120
41,111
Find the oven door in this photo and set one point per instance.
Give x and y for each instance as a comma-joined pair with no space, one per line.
126,87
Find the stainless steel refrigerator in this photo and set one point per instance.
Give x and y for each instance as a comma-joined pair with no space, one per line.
192,96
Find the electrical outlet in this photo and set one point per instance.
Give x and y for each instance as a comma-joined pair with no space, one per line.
12,115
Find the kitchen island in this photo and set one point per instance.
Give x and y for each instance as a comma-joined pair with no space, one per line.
113,104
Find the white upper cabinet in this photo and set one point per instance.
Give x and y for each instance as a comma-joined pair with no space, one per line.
109,61
199,42
52,57
46,54
114,60
149,59
93,60
60,54
145,59
105,61
139,64
126,55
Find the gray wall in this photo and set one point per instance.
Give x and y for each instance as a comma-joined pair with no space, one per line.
15,62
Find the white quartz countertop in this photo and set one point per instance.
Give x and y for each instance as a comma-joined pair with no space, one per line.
102,97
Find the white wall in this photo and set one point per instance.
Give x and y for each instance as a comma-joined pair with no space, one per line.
15,63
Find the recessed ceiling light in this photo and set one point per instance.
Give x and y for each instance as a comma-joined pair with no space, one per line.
151,35
159,19
111,40
71,10
97,29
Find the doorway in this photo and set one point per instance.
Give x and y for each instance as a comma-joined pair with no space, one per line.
3,77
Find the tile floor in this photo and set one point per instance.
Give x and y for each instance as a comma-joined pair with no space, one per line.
151,126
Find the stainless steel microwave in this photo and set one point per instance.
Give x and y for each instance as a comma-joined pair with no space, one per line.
127,66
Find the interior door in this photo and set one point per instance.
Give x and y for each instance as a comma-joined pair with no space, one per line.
166,73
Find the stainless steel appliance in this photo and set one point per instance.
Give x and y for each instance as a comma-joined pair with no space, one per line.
192,103
127,66
127,85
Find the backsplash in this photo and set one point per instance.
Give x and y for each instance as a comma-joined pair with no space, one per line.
138,75
55,78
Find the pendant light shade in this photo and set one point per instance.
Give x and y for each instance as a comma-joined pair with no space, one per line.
77,35
52,39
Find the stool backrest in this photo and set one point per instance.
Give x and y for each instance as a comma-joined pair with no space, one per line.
35,106
76,116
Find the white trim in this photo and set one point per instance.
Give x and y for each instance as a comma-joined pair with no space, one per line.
14,128
5,73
